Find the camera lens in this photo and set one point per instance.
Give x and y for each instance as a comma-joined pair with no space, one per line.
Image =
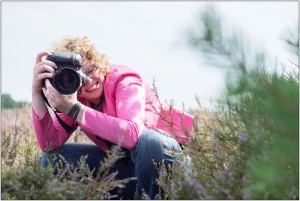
66,81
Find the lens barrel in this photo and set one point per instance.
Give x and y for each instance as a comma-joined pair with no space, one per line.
66,80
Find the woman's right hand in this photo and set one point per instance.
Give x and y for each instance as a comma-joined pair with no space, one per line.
41,71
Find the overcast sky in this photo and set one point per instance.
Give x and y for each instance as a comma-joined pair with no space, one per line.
147,36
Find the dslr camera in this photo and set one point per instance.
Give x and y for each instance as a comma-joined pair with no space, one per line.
68,77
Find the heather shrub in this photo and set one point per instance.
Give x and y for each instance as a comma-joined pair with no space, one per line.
35,182
23,178
247,149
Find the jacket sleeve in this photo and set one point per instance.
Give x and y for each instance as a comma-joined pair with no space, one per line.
128,124
49,133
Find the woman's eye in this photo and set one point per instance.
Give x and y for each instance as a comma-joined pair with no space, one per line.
89,72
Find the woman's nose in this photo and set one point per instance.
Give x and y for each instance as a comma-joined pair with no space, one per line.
85,80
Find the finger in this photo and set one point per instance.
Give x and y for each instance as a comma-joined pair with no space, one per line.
51,89
48,88
48,96
43,76
45,92
48,84
48,63
40,56
44,68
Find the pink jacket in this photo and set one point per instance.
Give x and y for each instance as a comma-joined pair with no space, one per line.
130,106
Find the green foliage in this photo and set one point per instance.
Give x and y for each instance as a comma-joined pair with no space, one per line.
269,105
31,183
7,102
214,161
249,147
37,183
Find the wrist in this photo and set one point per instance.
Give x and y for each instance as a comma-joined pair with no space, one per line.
36,93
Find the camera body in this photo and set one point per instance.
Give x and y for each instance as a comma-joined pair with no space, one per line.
68,76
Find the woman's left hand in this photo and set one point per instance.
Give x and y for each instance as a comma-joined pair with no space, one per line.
61,102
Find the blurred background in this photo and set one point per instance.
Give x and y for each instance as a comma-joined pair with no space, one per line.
150,37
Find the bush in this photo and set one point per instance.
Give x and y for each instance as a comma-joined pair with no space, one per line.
23,178
248,148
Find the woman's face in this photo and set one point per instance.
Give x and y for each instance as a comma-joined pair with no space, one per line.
93,88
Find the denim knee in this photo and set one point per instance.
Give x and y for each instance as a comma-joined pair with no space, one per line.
154,145
44,160
49,159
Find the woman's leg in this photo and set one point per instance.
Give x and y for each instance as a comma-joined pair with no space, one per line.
152,146
72,153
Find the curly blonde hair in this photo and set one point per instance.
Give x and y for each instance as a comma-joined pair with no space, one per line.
83,46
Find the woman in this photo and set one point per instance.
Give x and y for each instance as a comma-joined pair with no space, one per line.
115,103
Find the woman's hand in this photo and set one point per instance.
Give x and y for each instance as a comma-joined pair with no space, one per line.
41,71
61,102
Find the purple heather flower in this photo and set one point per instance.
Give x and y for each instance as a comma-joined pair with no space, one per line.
243,137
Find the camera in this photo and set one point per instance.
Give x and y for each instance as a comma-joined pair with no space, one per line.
68,76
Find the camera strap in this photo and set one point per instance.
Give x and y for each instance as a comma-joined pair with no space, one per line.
69,129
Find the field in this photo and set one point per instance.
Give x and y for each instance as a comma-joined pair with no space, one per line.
248,148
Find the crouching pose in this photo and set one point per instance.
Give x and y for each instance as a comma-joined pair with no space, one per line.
108,103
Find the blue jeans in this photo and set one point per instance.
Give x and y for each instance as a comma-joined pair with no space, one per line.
152,146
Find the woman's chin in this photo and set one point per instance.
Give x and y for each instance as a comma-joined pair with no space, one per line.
91,96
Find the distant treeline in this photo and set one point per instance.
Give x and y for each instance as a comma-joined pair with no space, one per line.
7,102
